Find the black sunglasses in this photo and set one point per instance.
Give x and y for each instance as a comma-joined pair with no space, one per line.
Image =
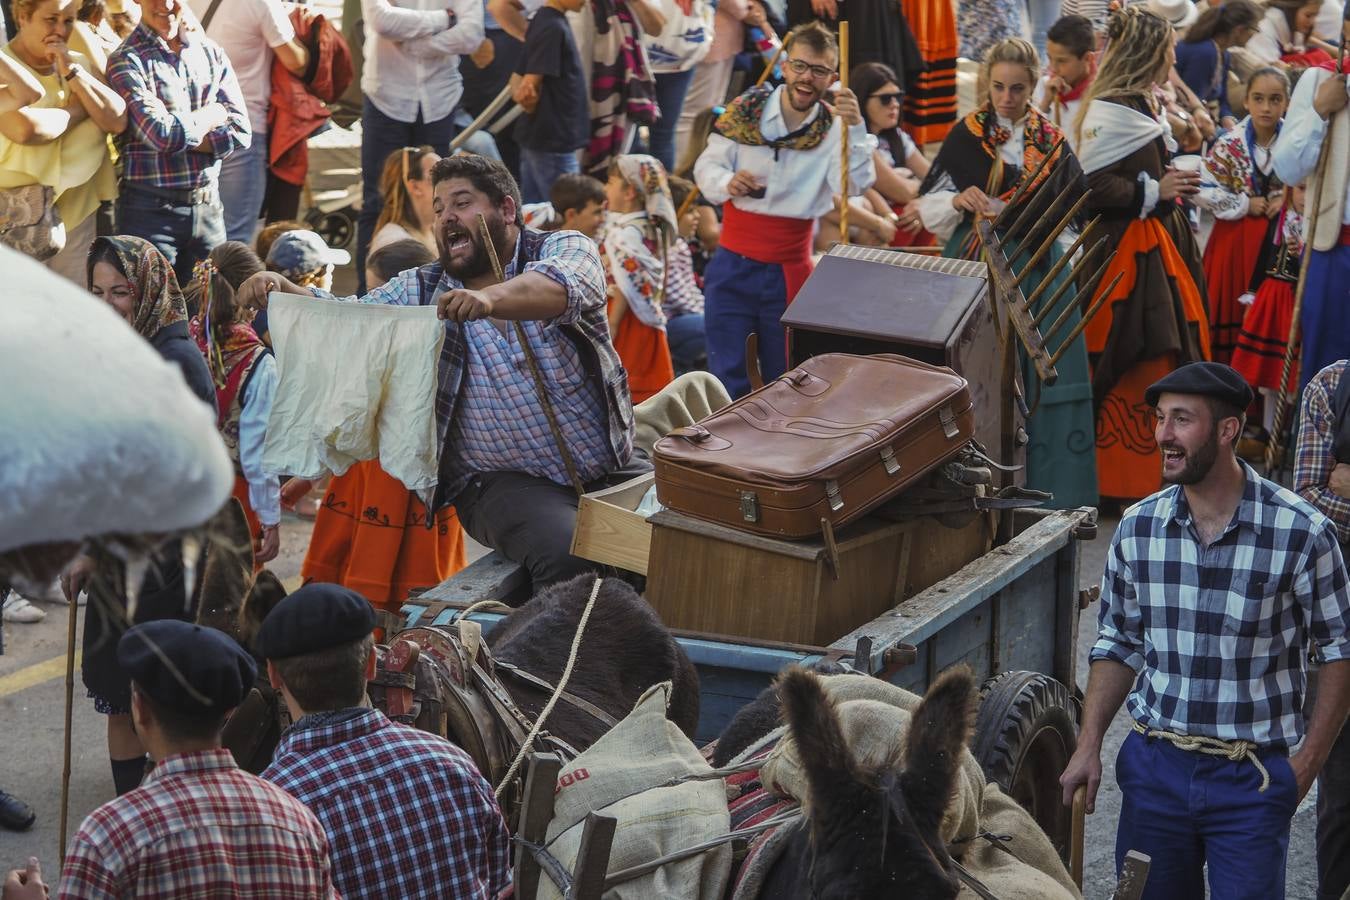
888,99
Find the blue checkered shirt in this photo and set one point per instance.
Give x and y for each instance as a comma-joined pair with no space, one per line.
163,89
1219,635
406,812
489,418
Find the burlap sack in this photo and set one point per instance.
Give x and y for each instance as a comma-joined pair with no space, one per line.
620,776
692,396
1033,871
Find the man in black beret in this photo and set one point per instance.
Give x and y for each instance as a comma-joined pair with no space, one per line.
198,825
385,792
1215,589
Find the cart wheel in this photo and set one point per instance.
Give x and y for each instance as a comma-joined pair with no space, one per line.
337,228
1025,732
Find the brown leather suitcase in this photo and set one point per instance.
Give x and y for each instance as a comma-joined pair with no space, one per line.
831,439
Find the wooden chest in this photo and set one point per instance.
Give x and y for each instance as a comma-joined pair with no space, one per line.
708,578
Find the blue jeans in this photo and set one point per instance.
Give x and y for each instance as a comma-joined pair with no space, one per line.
185,234
670,90
688,346
742,296
243,184
1043,14
381,136
1186,809
539,169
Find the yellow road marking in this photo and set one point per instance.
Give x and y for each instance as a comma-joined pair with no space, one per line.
31,676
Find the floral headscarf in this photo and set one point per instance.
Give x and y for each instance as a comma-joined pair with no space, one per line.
159,301
648,178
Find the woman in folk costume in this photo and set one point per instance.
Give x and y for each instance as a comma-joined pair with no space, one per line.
622,86
1240,187
1155,318
370,532
244,373
987,156
634,250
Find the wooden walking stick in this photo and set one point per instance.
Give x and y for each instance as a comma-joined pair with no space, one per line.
843,135
1275,449
70,703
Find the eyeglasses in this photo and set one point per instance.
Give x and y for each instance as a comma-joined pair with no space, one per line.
801,67
888,99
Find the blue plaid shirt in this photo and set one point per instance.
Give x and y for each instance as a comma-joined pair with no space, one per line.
406,812
163,89
1219,635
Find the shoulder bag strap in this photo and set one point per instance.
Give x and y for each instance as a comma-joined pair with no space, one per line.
210,13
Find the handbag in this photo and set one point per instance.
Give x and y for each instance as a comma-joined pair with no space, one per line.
29,221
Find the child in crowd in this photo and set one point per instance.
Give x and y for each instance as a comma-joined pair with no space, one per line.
707,229
576,203
1240,187
635,251
305,259
1071,52
683,302
550,87
273,230
395,257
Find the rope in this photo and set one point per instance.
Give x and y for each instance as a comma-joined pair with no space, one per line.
1237,751
557,693
481,604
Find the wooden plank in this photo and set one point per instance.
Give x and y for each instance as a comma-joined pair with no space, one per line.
492,577
597,839
608,531
1133,876
1065,666
536,811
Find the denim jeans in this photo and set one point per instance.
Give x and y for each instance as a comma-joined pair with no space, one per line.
688,345
381,136
539,169
243,183
670,90
1041,15
185,234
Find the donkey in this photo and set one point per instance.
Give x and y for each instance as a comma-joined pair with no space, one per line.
868,832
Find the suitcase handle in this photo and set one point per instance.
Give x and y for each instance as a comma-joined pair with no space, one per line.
701,437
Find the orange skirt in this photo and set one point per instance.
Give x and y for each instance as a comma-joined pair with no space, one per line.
1230,259
930,103
644,352
370,535
1128,463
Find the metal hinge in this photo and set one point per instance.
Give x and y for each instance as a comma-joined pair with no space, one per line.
832,494
948,420
888,460
749,506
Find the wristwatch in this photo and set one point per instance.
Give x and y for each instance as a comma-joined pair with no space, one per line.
73,72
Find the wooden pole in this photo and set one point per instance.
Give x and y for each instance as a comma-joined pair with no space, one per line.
843,135
74,613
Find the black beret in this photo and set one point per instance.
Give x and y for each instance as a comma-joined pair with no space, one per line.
316,617
186,667
1208,379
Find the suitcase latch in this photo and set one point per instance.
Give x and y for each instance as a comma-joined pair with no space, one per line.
888,460
832,494
749,506
948,420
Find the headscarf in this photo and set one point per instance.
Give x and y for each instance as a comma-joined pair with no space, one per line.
227,347
158,299
648,178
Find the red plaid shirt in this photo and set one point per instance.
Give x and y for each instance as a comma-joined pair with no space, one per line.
199,827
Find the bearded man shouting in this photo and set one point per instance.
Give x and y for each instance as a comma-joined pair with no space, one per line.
1215,590
500,464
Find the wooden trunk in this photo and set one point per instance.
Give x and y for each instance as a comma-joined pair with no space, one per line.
708,578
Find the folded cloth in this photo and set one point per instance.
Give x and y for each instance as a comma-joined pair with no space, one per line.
687,399
355,382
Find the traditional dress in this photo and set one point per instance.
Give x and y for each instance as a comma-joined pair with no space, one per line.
878,32
1155,318
765,250
930,100
622,87
894,148
997,156
1259,355
1236,170
635,253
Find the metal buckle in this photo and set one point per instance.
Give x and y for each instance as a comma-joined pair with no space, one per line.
832,494
888,460
948,420
749,506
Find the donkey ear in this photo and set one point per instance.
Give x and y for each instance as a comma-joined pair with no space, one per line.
938,731
814,725
263,595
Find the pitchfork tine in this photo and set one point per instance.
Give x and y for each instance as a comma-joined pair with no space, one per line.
1033,222
1087,317
1060,264
1025,185
1049,239
1086,292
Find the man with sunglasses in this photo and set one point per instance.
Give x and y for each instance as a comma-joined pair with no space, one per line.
773,161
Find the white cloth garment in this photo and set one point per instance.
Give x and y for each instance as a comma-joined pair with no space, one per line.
241,28
935,207
356,381
1297,148
101,435
412,55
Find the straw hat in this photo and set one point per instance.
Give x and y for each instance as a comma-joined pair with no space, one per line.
1181,14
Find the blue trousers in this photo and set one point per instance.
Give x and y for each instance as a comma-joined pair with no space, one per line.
1186,809
742,296
539,169
184,234
381,136
243,184
688,346
670,90
1326,311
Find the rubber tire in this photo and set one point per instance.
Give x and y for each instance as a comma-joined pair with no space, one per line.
1025,732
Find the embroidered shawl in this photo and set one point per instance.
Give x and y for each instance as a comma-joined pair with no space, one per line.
741,123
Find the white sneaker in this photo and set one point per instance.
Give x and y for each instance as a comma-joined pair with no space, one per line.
20,611
52,593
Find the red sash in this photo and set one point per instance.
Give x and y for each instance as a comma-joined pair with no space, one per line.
770,239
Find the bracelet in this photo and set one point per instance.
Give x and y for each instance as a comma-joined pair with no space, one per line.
74,71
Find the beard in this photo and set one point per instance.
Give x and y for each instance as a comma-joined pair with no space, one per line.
1196,464
478,262
800,105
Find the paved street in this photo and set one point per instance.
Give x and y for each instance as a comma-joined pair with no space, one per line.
32,697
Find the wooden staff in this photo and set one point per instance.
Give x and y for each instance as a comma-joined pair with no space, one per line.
843,135
1276,449
74,612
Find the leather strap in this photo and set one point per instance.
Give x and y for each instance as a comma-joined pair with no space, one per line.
584,705
752,370
210,13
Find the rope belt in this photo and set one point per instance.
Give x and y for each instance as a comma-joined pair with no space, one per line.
1237,751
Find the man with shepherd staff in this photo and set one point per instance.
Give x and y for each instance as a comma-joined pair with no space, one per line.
774,161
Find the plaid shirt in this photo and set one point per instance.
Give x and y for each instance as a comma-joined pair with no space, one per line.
1314,460
488,414
199,827
163,90
1219,635
407,812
